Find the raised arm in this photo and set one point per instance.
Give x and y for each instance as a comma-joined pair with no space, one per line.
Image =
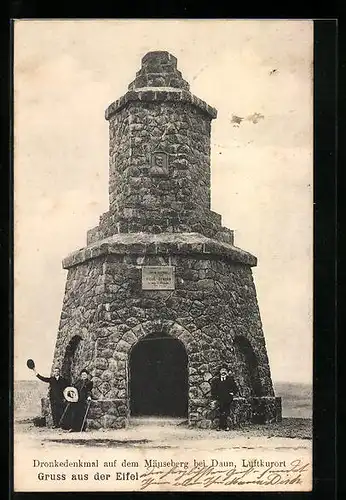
44,379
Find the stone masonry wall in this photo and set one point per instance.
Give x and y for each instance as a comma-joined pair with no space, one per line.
159,116
82,302
183,132
214,301
175,199
159,69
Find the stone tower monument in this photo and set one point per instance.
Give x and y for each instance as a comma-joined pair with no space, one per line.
160,297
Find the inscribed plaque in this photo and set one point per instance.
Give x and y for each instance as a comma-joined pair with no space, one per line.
158,278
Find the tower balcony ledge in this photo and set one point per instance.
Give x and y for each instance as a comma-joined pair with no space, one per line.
160,244
159,94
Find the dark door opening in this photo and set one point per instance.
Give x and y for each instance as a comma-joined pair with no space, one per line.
158,378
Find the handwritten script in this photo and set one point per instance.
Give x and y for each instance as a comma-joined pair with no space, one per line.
207,476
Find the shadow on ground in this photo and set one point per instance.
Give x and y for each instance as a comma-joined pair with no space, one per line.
102,442
289,428
294,428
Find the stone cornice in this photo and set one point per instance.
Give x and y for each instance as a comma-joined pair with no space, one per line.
159,244
159,94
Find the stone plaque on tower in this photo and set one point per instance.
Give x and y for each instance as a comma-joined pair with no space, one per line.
158,278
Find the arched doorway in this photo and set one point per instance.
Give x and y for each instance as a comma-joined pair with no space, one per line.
158,377
249,365
69,367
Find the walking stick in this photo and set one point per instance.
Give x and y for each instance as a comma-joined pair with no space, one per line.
62,416
86,413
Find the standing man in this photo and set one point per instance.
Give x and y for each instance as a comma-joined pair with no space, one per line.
223,390
57,385
78,410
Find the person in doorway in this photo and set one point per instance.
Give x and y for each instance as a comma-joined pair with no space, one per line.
78,410
223,390
57,385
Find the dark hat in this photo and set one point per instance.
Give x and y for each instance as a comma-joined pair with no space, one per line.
30,364
84,371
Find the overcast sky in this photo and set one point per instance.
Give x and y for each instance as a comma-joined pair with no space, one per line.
66,75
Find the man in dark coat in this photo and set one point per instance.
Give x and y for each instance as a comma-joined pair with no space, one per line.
76,417
223,389
57,385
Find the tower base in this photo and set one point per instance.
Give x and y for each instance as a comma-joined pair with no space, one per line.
112,414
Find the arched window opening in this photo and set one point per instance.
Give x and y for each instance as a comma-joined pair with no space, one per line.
250,365
70,362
